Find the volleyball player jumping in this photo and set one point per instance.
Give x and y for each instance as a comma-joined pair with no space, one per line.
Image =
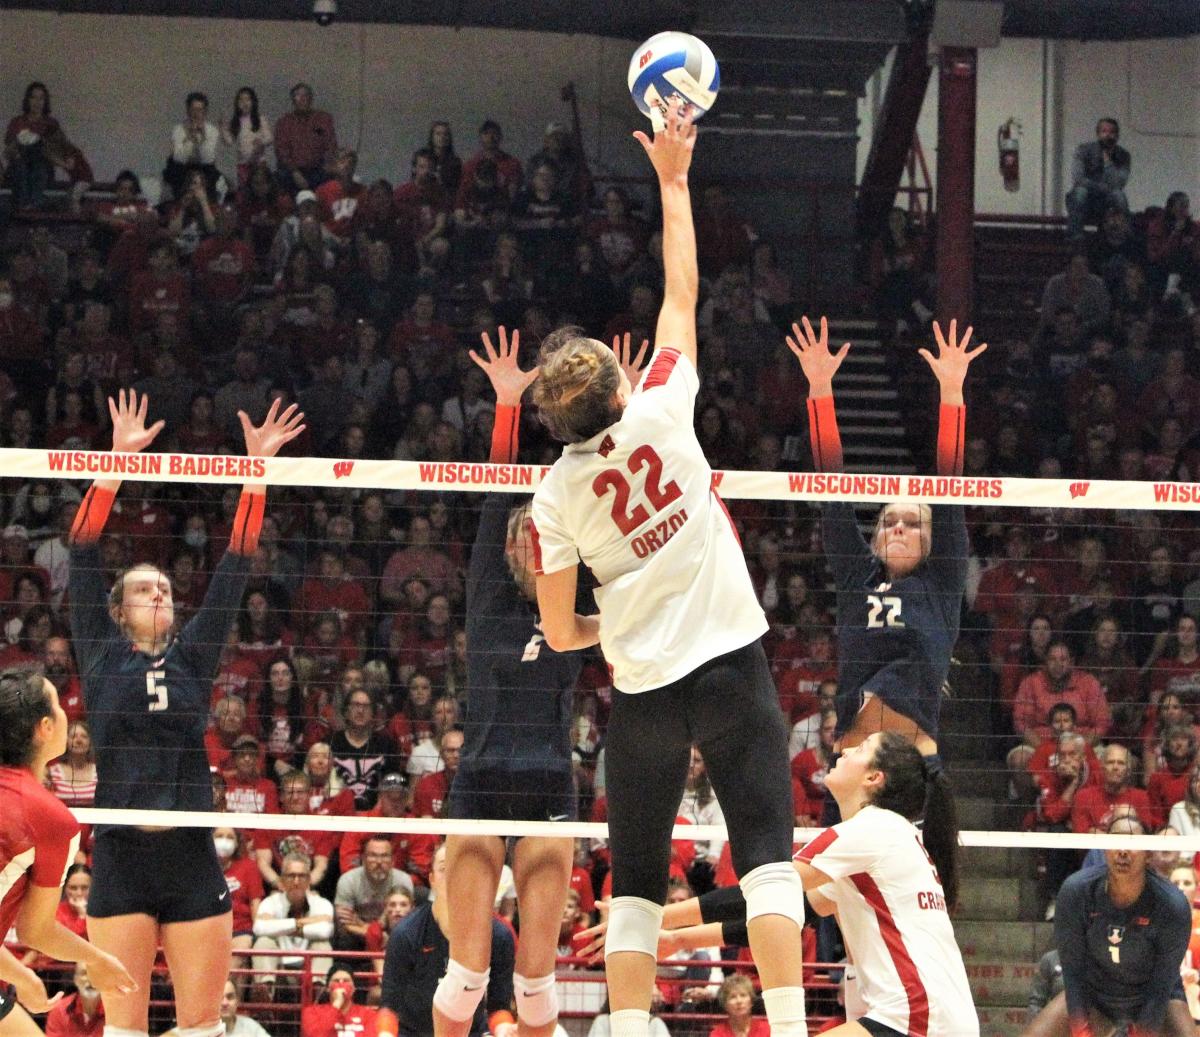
147,691
38,841
900,596
679,623
516,759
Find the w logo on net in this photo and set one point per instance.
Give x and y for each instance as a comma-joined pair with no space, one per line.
1079,489
341,469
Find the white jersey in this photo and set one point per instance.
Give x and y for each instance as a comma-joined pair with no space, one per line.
893,918
636,503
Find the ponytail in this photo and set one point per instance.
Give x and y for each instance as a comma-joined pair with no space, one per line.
917,788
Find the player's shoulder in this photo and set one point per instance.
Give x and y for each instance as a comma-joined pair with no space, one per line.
1085,880
42,811
666,362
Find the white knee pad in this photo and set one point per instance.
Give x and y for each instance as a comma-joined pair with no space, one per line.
216,1029
633,925
537,999
774,889
459,992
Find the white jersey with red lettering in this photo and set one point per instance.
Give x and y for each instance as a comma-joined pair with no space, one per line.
893,918
636,503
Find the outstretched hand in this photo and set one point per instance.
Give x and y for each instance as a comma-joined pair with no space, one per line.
817,362
274,433
508,381
128,413
670,151
630,364
951,363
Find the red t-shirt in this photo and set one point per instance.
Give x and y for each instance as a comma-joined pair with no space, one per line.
251,797
809,771
149,297
581,882
1166,788
1093,803
245,885
66,1019
38,840
326,1021
431,793
346,597
338,206
281,843
223,268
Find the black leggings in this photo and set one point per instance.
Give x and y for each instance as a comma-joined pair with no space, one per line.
729,709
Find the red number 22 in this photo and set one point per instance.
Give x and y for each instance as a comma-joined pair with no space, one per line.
659,496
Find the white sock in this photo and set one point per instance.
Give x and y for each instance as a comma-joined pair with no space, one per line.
629,1022
785,1011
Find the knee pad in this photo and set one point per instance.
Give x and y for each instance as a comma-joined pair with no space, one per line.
459,992
633,925
774,889
537,999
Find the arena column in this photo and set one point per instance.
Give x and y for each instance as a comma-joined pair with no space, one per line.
956,185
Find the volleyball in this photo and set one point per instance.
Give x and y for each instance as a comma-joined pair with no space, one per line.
673,64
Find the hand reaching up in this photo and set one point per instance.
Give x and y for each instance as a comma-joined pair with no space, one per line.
128,413
630,364
508,381
951,363
812,350
276,431
670,151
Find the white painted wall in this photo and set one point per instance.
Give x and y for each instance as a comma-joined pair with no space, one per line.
1152,87
118,83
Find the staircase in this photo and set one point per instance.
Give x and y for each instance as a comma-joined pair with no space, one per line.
874,437
998,923
1013,262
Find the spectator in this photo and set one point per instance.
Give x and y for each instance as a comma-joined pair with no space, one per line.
327,788
367,375
247,391
602,1025
169,389
363,891
25,148
1099,173
1092,804
361,755
480,209
723,238
1173,248
448,165
425,647
246,790
59,668
72,777
223,268
808,773
1169,784
305,144
294,919
262,207
192,217
80,1014
237,1025
229,724
249,132
193,147
433,790
288,237
418,558
425,205
1079,290
1169,712
806,732
1155,605
411,853
283,717
272,846
398,907
508,169
339,196
426,757
618,237
21,337
337,1015
159,289
1180,671
699,806
899,272
1115,247
1184,817
1058,681
245,889
335,590
737,1002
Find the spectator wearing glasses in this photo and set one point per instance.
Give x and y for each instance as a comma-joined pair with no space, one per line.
293,919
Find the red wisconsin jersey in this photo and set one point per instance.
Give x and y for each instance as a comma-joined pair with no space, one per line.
894,921
636,503
38,840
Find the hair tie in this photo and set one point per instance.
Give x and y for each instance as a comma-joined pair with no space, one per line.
933,766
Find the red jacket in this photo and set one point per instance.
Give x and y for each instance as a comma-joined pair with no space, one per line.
1092,804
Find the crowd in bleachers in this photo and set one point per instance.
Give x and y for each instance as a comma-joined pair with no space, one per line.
268,270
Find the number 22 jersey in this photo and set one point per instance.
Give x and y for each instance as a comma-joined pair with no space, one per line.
636,504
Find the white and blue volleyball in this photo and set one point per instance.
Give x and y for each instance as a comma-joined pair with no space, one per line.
670,65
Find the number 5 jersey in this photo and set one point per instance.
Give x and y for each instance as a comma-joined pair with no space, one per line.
636,504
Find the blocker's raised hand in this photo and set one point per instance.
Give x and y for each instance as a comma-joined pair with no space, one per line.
128,413
274,433
508,381
816,361
951,363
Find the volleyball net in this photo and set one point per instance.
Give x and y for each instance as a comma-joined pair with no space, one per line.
359,586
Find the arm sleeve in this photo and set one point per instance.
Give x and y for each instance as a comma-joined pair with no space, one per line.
247,522
500,984
92,627
723,904
1070,937
205,634
824,437
1172,929
952,429
490,588
506,435
846,550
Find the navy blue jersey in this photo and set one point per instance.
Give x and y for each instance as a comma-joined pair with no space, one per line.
520,691
416,959
148,714
895,639
1123,962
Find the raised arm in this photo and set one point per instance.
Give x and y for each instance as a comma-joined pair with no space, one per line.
819,366
509,383
950,369
670,153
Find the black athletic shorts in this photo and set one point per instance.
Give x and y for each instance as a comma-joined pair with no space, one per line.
878,1029
173,876
497,794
